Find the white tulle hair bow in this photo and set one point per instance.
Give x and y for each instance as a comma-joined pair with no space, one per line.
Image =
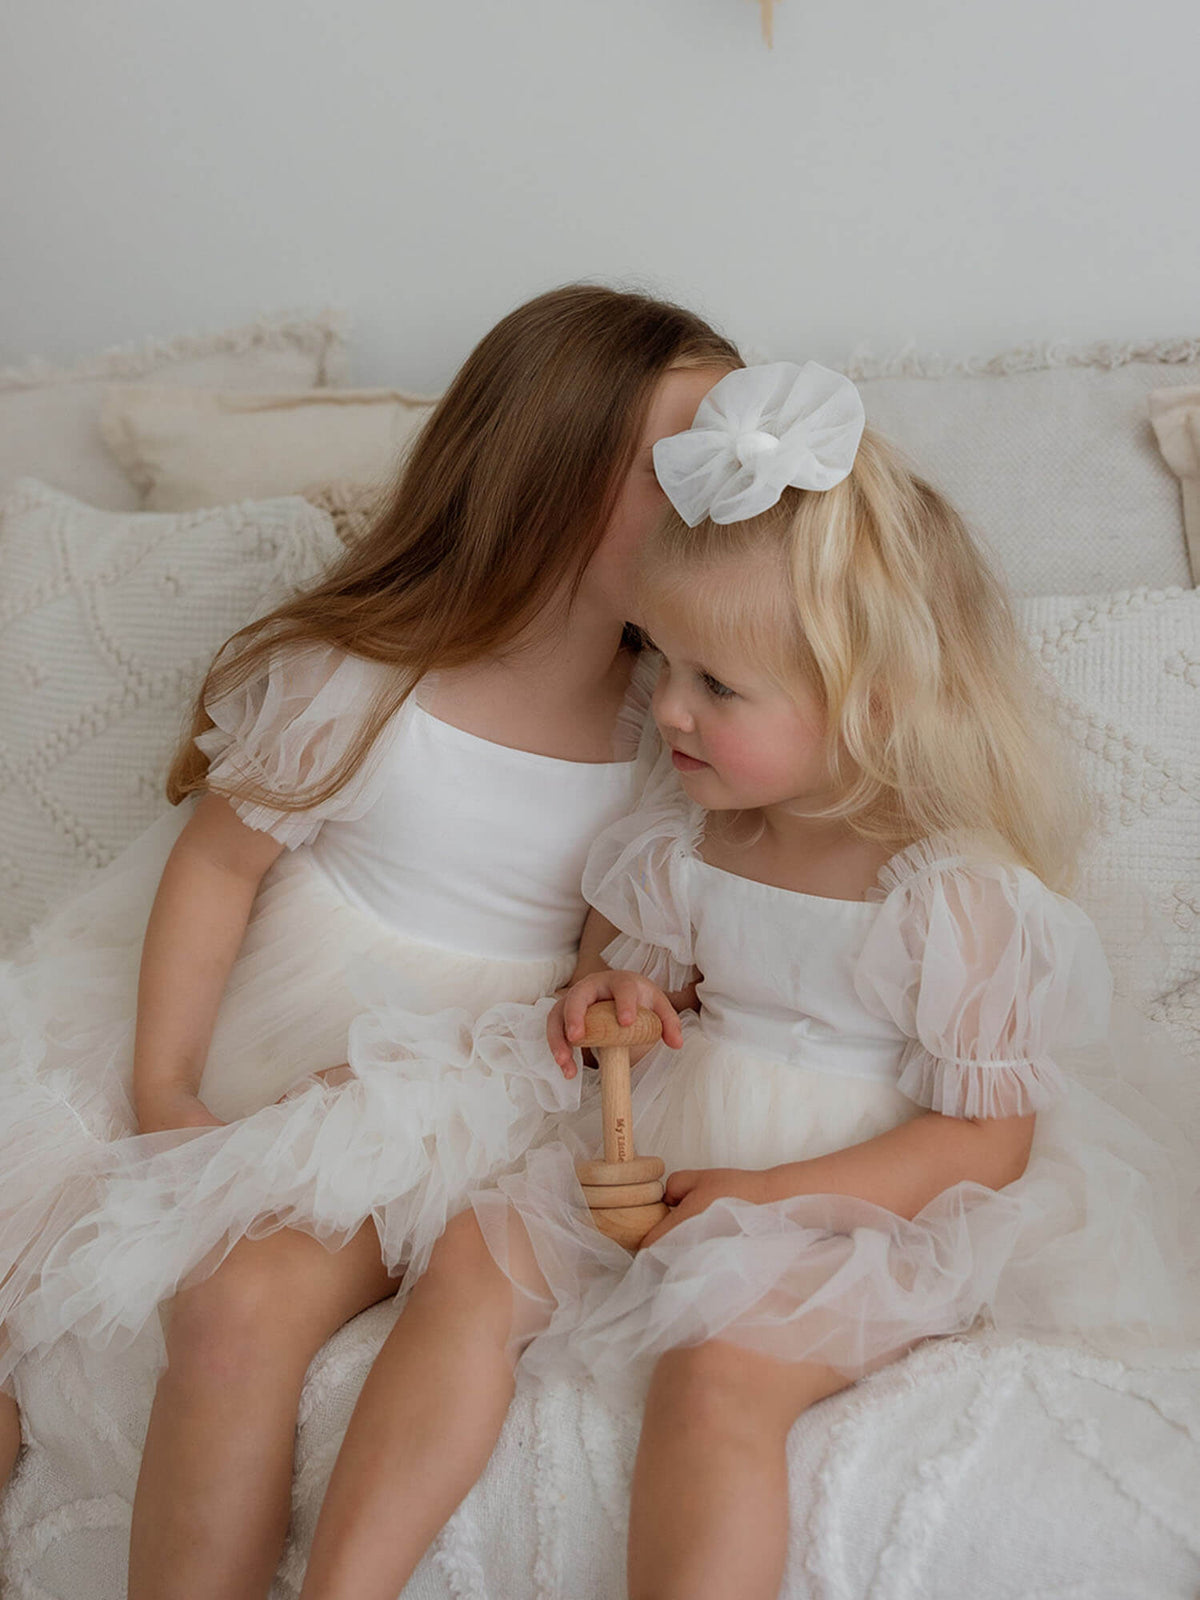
757,432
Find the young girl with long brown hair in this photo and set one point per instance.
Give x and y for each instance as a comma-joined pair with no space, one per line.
390,788
894,1111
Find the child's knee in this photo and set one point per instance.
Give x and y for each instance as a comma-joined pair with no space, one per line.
461,1253
461,1267
463,1282
236,1325
721,1387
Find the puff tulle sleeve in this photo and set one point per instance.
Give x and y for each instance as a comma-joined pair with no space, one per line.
637,875
288,729
989,973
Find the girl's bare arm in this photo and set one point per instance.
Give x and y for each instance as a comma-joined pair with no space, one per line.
598,932
193,936
903,1169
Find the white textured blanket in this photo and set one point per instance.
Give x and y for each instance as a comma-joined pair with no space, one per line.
972,1470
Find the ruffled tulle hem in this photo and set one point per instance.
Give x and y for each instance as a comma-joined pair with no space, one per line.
825,1278
980,1088
401,1139
70,1156
35,1212
821,1278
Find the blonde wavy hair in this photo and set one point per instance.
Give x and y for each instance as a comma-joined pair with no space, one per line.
503,500
875,595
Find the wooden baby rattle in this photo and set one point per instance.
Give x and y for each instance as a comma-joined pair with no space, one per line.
625,1190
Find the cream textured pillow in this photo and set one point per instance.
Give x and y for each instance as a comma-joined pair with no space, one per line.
1175,414
108,623
200,447
1127,667
49,417
352,507
1049,454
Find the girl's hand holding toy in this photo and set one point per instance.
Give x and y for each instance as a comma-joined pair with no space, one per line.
624,1191
690,1192
635,1004
566,1026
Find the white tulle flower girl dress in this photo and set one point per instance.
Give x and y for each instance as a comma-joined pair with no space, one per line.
444,875
961,985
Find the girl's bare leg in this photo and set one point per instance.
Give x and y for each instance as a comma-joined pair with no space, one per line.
424,1426
710,1489
10,1436
214,1495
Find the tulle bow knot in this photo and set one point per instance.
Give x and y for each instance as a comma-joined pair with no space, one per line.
751,447
757,432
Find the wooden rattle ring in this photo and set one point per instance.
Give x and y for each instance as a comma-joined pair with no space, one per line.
624,1190
629,1225
604,1197
641,1169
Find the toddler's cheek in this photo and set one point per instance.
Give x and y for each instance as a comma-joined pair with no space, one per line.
753,764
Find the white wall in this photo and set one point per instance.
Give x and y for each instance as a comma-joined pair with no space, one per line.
966,176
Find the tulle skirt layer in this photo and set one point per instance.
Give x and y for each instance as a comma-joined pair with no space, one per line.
1095,1242
97,1224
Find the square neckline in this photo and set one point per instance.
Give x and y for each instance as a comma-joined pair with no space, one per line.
635,688
461,734
874,897
799,894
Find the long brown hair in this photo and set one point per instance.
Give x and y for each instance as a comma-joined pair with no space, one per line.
504,497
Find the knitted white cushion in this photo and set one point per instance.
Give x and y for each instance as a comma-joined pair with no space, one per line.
1050,455
108,622
1127,667
49,416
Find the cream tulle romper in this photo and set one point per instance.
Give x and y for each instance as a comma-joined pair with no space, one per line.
445,875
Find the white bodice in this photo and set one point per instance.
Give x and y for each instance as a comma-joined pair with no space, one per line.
476,846
447,837
779,974
958,978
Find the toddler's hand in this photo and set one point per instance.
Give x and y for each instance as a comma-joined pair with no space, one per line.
690,1192
628,991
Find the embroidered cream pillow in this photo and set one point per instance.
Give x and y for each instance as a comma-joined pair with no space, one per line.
1127,667
185,448
352,507
108,622
49,416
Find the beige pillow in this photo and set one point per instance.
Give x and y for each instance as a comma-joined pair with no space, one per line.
185,448
1175,414
351,507
49,416
1049,454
